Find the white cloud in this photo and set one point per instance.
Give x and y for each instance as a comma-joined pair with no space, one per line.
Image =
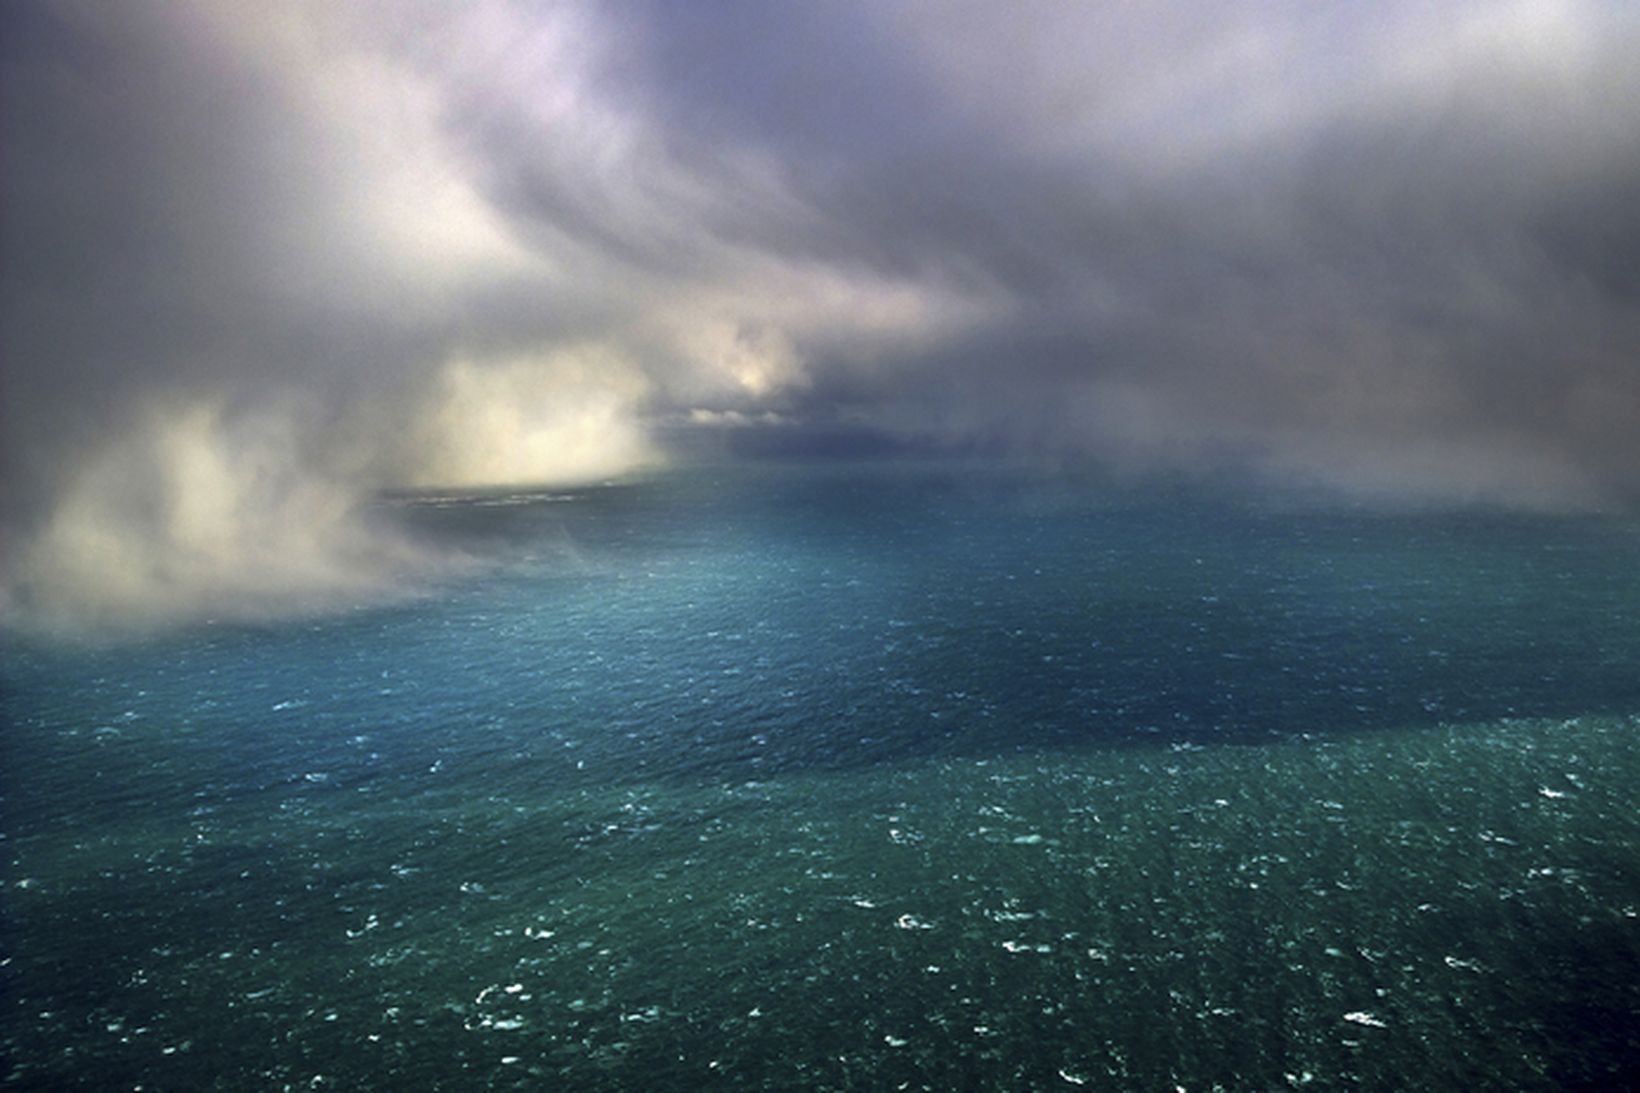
562,415
189,514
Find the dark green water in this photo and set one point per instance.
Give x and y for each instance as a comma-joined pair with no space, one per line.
855,779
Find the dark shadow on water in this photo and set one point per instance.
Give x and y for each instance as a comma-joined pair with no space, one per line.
853,619
1565,991
734,624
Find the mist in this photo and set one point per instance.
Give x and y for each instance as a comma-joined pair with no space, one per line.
261,265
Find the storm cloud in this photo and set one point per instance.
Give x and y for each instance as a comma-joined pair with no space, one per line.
259,265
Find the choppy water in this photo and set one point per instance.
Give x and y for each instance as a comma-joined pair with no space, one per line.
855,779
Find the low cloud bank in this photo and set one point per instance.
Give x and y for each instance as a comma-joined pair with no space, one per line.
189,515
195,510
263,262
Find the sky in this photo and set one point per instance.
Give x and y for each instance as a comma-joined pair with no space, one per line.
260,263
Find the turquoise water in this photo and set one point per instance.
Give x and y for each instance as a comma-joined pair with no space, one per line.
855,778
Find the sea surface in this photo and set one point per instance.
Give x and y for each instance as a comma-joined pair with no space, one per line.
847,777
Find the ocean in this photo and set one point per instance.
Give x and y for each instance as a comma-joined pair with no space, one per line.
870,777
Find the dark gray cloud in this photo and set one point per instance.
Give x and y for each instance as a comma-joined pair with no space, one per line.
259,264
1392,250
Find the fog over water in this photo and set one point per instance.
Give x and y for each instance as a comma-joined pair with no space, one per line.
260,265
